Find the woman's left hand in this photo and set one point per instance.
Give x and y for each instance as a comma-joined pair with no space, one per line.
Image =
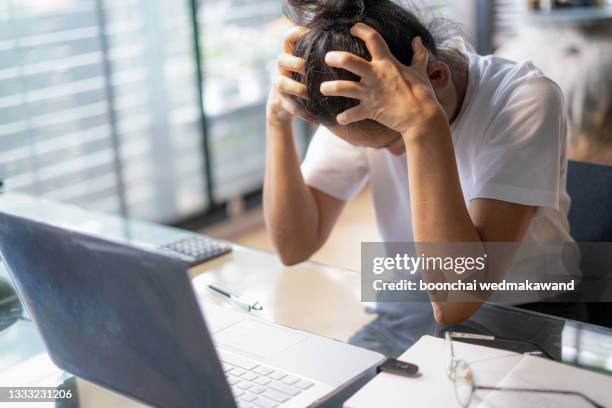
399,97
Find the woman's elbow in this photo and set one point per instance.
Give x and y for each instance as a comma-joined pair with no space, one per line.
448,319
290,259
292,250
291,255
451,314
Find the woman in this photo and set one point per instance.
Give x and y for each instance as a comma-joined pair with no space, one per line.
456,147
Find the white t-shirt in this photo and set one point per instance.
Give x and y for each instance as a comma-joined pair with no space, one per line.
510,144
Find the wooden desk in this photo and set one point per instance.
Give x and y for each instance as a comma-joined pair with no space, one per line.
312,297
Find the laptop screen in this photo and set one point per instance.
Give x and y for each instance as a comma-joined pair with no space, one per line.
114,314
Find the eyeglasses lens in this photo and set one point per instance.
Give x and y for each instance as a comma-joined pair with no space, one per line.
449,360
464,383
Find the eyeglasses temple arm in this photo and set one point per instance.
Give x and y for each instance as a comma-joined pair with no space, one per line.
532,343
484,337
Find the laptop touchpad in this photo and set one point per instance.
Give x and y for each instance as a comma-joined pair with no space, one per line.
258,339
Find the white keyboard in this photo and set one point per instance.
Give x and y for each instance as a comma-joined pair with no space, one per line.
258,386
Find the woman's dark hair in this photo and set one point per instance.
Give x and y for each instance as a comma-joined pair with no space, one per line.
330,22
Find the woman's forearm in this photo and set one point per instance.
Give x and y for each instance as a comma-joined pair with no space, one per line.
290,209
439,212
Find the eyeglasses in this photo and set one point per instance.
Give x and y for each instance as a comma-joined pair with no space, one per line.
461,374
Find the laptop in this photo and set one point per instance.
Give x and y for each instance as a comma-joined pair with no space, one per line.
127,318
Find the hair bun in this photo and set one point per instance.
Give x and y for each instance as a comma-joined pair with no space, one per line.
323,13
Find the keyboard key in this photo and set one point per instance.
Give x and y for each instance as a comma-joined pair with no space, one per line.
226,367
276,396
257,389
304,385
238,372
244,385
248,397
233,380
238,361
277,375
265,403
285,388
237,392
263,380
261,370
243,404
250,376
290,380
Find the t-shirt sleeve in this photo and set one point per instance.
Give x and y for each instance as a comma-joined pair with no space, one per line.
521,153
335,167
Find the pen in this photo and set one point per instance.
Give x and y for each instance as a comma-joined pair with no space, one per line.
244,303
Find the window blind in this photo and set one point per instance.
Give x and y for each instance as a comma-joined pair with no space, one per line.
98,105
155,102
54,136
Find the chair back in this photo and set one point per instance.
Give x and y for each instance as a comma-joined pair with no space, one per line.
590,187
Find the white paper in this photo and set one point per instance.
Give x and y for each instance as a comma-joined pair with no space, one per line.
432,388
540,373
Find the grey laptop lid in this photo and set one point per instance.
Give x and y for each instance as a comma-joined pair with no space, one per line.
116,315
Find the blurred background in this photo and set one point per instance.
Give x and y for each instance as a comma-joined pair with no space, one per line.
154,109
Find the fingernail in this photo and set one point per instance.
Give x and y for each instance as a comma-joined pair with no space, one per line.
330,57
419,41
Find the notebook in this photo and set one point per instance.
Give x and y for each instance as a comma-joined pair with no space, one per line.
492,367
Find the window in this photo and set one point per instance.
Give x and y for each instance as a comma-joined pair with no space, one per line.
98,105
240,40
157,114
54,133
510,15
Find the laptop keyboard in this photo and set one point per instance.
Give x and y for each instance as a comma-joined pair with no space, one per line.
258,386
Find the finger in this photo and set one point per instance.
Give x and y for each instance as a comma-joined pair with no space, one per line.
376,44
289,105
290,87
348,89
293,108
420,58
294,34
349,62
356,114
287,63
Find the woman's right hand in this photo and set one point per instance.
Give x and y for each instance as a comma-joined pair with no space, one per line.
281,108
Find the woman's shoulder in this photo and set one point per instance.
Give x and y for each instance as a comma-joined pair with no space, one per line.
515,104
